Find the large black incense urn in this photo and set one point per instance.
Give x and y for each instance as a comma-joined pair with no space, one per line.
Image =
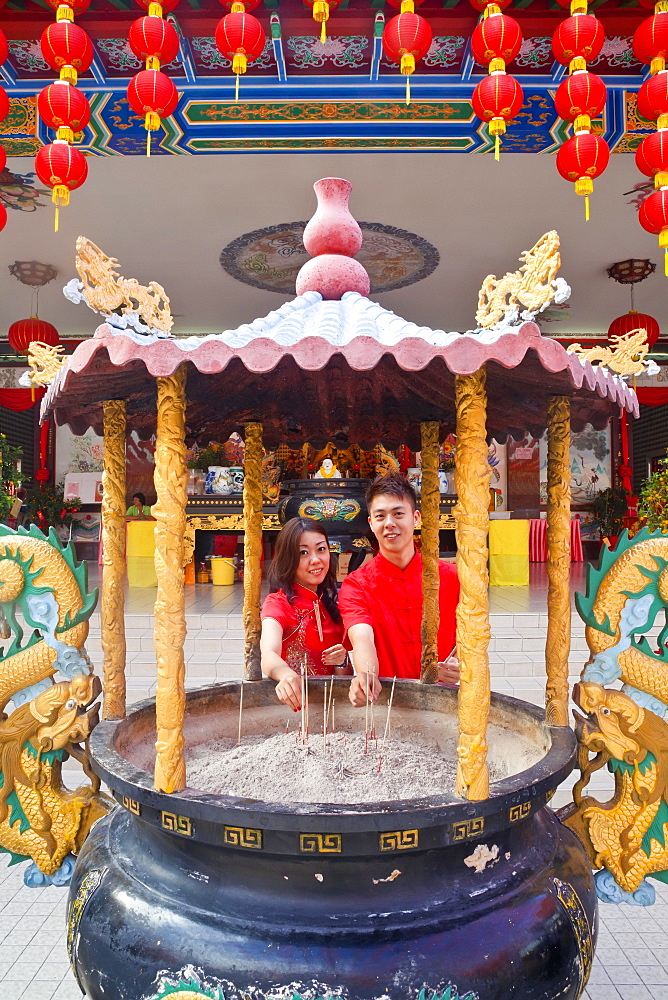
339,504
243,898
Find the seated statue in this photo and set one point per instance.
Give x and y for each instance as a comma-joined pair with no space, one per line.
327,470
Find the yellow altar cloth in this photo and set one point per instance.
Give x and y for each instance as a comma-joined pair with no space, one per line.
509,553
140,551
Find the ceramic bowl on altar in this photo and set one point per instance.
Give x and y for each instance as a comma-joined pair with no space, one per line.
267,899
340,504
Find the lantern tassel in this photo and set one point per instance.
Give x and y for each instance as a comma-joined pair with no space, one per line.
665,263
56,219
408,91
323,33
497,147
236,88
586,208
148,143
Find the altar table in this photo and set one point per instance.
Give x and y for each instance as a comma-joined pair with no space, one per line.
538,540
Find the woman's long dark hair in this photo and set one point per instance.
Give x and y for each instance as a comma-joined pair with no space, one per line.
281,573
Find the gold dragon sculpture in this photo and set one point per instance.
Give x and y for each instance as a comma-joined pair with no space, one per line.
107,292
44,362
42,587
625,355
526,291
625,729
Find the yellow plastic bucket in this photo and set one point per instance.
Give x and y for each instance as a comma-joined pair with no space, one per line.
222,571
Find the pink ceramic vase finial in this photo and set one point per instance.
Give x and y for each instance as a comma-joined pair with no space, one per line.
332,237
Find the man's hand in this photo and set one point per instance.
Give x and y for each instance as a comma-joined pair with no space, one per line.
361,684
448,671
289,691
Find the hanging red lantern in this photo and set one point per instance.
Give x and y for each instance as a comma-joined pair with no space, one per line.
653,216
4,104
580,98
496,41
151,39
152,95
652,157
24,332
650,42
652,102
497,99
63,168
321,10
4,47
406,39
240,38
64,108
582,158
633,320
577,40
66,47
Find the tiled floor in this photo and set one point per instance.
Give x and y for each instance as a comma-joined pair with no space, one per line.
632,956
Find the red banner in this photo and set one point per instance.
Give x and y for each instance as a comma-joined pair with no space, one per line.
652,397
19,399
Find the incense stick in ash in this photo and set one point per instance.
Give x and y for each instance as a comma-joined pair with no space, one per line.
387,724
241,708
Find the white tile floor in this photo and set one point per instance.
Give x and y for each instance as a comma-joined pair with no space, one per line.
632,955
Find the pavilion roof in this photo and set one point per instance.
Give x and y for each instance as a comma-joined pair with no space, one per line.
345,370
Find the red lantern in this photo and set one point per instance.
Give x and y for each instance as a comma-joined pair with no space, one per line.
653,98
653,217
580,159
496,100
240,38
650,42
63,107
652,157
580,98
4,48
578,37
63,168
4,104
496,41
152,38
407,37
634,321
3,216
321,9
24,332
67,47
152,95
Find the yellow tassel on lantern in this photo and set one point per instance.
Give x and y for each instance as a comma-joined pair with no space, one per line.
152,62
657,65
65,133
497,127
406,67
407,7
69,74
151,124
577,64
578,7
321,14
238,7
662,121
663,243
582,124
585,186
239,65
660,180
60,196
64,13
491,8
155,10
661,7
497,66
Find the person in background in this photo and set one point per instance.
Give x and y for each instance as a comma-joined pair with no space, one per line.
381,602
138,507
301,624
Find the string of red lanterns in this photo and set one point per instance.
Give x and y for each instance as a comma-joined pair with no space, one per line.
151,93
4,111
496,40
67,49
240,37
581,97
407,38
650,46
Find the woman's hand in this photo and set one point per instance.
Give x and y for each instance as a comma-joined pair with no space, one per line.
448,671
335,656
289,690
364,687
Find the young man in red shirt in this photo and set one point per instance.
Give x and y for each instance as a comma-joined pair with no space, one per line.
381,603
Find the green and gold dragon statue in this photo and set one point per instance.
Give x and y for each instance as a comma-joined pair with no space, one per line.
626,601
42,720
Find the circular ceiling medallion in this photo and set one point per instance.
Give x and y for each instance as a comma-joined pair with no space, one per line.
271,258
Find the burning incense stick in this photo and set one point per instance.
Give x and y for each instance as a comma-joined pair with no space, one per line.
387,725
306,719
241,708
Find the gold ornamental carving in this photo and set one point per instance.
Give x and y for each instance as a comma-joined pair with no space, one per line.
472,477
170,476
429,507
107,292
112,602
220,522
44,361
252,549
531,288
625,355
558,639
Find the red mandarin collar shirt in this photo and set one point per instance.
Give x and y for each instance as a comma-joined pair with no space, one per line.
301,640
390,600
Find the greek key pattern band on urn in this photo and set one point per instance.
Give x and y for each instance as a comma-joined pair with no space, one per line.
170,477
430,498
252,549
112,598
558,639
472,477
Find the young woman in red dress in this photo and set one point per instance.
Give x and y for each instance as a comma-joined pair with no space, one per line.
301,624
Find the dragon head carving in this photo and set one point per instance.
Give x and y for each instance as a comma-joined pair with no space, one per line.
64,713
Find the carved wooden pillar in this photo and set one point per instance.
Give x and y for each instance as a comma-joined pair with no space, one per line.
472,476
112,597
558,640
170,477
430,511
252,549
